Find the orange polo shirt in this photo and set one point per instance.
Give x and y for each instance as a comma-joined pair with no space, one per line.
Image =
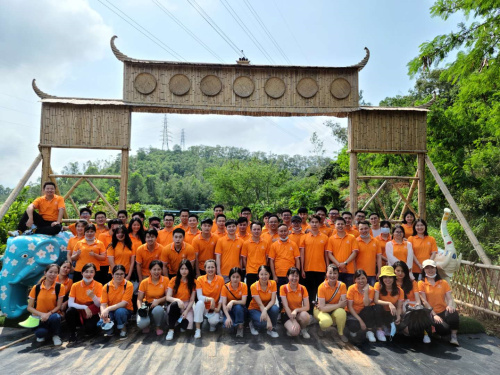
49,210
410,297
342,248
72,242
284,255
112,295
293,298
353,231
245,238
99,231
205,248
230,251
239,292
183,292
314,251
97,247
136,243
353,294
153,290
400,251
265,296
296,237
165,236
143,256
186,228
367,256
267,236
189,237
256,254
382,243
211,289
79,292
173,258
47,299
67,284
327,231
435,294
123,255
219,233
105,238
422,249
325,291
388,298
408,230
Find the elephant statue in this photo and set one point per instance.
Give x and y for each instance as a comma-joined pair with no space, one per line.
447,260
23,265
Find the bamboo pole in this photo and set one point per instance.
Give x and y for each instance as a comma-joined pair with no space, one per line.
482,309
58,191
75,185
405,200
124,180
74,205
95,202
413,186
480,265
45,151
102,196
382,208
14,193
421,186
387,178
16,342
461,218
353,181
395,209
374,195
84,176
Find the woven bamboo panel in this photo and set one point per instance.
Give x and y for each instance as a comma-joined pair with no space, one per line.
85,126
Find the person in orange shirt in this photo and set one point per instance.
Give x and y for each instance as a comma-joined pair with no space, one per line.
80,235
209,304
234,299
152,296
286,217
85,215
361,308
228,251
390,297
88,250
272,229
193,230
100,223
218,210
359,216
265,219
84,302
154,222
323,227
304,215
242,229
104,274
173,253
436,295
165,236
184,218
139,215
116,302
333,214
120,251
349,227
375,228
424,246
246,212
181,293
399,248
204,246
332,302
122,215
63,278
262,310
146,253
369,256
384,237
136,233
296,231
295,301
47,304
220,222
407,223
342,250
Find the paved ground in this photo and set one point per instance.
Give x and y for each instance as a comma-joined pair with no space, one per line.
221,353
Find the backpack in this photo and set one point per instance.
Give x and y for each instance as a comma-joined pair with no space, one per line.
38,287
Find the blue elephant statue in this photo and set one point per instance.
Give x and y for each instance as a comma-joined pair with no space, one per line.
24,262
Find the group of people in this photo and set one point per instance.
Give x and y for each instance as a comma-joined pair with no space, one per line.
289,268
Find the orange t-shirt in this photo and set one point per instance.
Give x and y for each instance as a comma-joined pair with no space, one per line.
400,251
422,249
183,292
123,255
314,251
342,248
205,248
49,210
265,296
410,296
353,231
245,237
230,251
435,295
408,230
136,243
267,236
382,243
143,256
79,291
325,291
165,236
211,289
47,299
154,291
112,295
173,258
105,238
180,225
284,255
296,237
388,298
72,242
327,231
239,292
367,256
67,284
256,254
353,294
293,298
97,247
189,237
99,231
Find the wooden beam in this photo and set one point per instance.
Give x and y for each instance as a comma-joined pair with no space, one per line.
379,151
461,218
374,195
74,205
395,209
386,178
45,151
353,182
75,185
84,176
102,196
14,193
487,311
124,180
421,186
405,200
379,201
413,186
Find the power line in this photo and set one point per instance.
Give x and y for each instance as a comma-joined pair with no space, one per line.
280,128
16,123
15,110
15,97
166,135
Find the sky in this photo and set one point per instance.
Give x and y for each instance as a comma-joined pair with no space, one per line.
64,45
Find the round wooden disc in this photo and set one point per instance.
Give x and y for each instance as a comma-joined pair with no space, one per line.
145,83
307,87
275,87
210,85
340,88
243,87
179,84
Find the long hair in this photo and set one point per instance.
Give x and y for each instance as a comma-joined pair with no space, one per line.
140,233
420,221
407,285
190,277
47,270
383,289
127,241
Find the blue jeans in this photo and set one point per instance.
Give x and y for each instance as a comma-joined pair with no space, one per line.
238,314
120,317
50,327
273,313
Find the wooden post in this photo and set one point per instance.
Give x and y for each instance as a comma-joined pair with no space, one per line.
461,218
413,186
45,151
124,180
421,186
353,182
374,195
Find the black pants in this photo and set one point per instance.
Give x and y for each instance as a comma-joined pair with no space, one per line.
450,322
77,276
282,280
103,275
42,226
369,315
251,278
73,321
312,282
174,313
384,317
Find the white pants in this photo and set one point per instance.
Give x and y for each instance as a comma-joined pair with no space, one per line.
200,311
157,313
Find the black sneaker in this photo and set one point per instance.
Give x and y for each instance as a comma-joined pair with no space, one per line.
72,337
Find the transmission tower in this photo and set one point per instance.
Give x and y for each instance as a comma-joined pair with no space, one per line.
166,135
183,140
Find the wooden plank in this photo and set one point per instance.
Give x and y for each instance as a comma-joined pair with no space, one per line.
353,181
374,195
387,178
114,176
421,186
461,218
102,196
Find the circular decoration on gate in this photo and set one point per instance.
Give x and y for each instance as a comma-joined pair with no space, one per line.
145,83
179,84
210,85
340,88
275,87
307,87
243,87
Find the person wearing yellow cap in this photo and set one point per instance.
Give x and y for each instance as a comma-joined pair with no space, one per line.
390,296
436,295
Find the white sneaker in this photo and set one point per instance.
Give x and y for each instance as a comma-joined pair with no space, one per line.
56,340
197,334
370,336
304,333
40,339
13,233
273,333
170,335
427,339
454,340
381,335
253,331
123,335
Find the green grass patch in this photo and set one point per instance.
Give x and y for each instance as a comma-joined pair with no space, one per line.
469,325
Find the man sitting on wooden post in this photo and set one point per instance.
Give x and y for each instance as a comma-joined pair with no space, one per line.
48,218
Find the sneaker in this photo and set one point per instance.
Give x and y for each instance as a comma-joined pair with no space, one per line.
72,337
371,337
197,334
40,339
123,335
304,333
273,333
344,338
170,335
381,335
213,328
56,340
427,339
454,340
239,331
159,332
145,330
29,232
14,233
253,331
387,331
